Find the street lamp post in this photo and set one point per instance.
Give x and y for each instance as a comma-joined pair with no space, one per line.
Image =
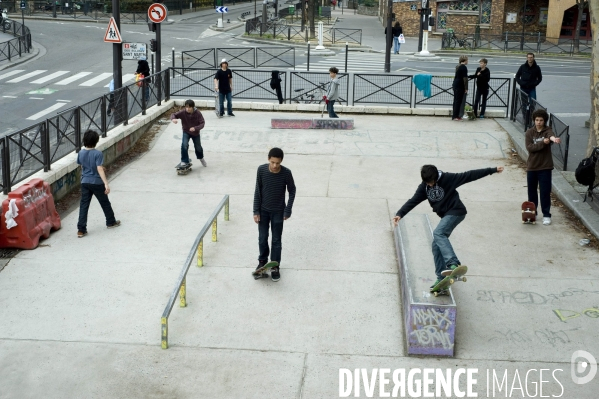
523,24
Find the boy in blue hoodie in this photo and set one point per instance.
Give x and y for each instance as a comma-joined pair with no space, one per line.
440,190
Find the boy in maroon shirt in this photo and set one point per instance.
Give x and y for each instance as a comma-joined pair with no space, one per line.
192,122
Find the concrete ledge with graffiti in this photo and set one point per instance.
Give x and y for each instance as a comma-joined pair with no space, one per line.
429,322
65,174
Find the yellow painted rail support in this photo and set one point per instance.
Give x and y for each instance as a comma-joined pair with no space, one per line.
182,298
198,250
201,253
164,330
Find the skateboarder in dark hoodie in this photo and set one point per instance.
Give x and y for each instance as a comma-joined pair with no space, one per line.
440,190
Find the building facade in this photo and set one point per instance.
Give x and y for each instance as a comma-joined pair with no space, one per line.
553,18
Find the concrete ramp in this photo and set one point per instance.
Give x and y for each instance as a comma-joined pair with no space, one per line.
429,321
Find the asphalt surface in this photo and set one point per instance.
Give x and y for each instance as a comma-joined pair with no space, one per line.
564,91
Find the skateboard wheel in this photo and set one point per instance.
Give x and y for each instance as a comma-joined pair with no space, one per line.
464,279
451,281
523,222
534,222
436,294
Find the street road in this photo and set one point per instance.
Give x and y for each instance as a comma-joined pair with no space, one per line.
75,66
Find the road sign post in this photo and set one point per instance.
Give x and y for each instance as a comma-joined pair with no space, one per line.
23,5
221,10
157,13
120,103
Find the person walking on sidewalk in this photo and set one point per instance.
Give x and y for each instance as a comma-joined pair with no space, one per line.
270,209
192,122
223,84
460,89
529,76
93,183
440,190
482,76
538,140
332,93
396,31
143,68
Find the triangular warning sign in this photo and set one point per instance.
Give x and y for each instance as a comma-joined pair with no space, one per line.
112,34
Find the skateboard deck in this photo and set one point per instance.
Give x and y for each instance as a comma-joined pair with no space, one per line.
442,288
528,212
216,105
185,170
258,273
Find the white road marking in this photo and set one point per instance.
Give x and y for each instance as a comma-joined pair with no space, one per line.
26,76
11,73
66,101
46,111
97,79
50,77
9,96
73,78
36,98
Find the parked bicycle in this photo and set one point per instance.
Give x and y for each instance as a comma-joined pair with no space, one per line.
310,96
453,41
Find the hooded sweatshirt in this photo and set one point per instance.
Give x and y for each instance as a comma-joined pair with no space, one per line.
539,153
333,93
143,67
443,197
482,80
195,120
529,77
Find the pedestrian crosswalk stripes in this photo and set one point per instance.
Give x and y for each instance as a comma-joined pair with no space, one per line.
97,79
11,73
50,77
26,76
127,77
46,111
73,78
355,62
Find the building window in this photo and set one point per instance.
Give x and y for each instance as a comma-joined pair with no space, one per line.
472,5
529,16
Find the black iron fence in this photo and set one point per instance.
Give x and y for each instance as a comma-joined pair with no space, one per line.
529,42
19,45
36,147
522,110
309,87
243,57
278,30
382,89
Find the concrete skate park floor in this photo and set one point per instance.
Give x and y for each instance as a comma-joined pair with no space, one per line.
81,317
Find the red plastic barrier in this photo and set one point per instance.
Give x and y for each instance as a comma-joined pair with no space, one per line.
37,216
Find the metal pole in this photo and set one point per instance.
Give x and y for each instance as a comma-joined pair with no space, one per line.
346,51
158,49
173,55
522,38
152,65
308,67
389,37
23,24
420,33
117,73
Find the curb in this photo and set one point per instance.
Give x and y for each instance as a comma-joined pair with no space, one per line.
560,186
234,25
36,51
507,55
366,49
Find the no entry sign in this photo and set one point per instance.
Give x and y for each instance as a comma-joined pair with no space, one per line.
157,13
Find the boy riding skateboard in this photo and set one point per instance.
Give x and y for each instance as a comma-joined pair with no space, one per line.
272,181
440,190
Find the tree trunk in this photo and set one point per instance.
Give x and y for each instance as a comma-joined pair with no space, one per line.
594,84
581,5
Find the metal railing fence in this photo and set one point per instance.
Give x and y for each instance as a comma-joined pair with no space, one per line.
244,57
560,152
312,85
196,252
382,89
529,42
36,147
17,46
273,29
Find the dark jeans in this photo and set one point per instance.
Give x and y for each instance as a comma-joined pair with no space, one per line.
483,103
87,192
458,98
279,94
443,252
221,103
331,109
197,145
542,180
532,93
275,219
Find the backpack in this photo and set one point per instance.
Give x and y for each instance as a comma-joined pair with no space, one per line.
585,171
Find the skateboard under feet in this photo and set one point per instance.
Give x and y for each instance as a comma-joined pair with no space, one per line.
183,170
261,272
529,213
442,288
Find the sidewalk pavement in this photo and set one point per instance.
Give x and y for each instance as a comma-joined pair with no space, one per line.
4,37
81,317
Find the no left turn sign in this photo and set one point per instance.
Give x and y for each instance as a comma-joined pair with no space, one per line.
157,13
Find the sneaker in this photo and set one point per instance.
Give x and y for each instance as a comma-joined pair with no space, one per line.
435,283
458,119
81,234
108,113
274,274
259,275
448,271
482,117
231,114
115,224
182,165
546,221
204,164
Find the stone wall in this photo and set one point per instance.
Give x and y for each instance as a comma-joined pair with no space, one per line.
363,10
515,6
409,20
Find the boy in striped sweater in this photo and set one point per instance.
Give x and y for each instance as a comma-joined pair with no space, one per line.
270,209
